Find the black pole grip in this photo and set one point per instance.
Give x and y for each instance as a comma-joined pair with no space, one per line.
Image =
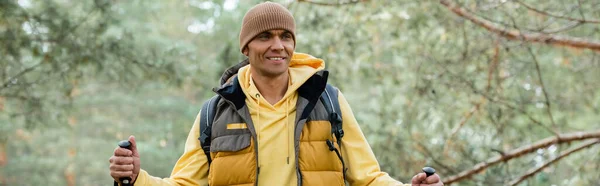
125,181
428,171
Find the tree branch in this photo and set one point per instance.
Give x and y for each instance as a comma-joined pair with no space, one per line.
460,125
534,171
15,77
494,65
464,120
524,36
539,75
558,16
428,153
563,138
562,29
489,98
332,4
47,57
580,11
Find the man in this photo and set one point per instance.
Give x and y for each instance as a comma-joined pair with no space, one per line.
270,127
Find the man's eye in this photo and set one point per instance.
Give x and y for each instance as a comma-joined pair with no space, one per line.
287,36
263,36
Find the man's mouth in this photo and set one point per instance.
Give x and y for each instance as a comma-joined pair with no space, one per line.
275,58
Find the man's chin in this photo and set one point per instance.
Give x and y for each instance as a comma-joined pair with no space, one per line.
274,74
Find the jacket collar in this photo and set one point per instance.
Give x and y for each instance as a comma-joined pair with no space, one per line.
310,90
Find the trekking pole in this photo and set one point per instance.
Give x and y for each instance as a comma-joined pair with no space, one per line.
125,181
428,171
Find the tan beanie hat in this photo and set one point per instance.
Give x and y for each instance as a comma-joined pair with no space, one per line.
266,16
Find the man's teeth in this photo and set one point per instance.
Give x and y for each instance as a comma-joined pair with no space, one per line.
275,58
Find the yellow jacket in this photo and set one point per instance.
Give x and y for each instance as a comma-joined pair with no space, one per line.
273,126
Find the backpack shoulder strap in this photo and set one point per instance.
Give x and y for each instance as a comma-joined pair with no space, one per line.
329,97
207,115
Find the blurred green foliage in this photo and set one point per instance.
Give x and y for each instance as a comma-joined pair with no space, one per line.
78,76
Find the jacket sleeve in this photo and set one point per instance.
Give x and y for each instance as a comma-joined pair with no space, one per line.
190,169
363,168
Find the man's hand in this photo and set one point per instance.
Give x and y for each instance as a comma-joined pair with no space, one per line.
422,180
125,162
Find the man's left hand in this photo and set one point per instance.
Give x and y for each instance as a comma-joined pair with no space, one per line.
421,179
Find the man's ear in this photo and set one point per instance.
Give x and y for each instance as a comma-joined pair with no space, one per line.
245,51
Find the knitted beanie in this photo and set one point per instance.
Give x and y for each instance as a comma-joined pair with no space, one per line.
263,17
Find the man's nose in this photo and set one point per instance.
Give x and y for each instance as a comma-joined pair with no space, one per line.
277,44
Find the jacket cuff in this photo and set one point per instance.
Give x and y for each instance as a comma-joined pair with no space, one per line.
142,178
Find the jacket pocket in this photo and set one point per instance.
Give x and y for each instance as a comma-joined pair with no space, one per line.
230,143
232,151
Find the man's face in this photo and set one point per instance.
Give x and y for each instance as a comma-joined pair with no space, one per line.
270,52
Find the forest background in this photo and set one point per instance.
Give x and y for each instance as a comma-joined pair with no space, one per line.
489,92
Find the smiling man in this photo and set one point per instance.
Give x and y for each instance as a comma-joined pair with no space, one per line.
275,121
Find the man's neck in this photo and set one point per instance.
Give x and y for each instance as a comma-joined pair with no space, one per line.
272,88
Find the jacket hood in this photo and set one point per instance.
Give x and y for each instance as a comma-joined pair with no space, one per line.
300,62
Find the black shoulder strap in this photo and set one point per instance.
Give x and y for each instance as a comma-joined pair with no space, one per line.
329,97
207,115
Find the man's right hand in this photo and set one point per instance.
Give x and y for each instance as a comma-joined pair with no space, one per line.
125,162
422,179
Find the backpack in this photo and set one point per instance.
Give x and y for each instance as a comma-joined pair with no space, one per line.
329,98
